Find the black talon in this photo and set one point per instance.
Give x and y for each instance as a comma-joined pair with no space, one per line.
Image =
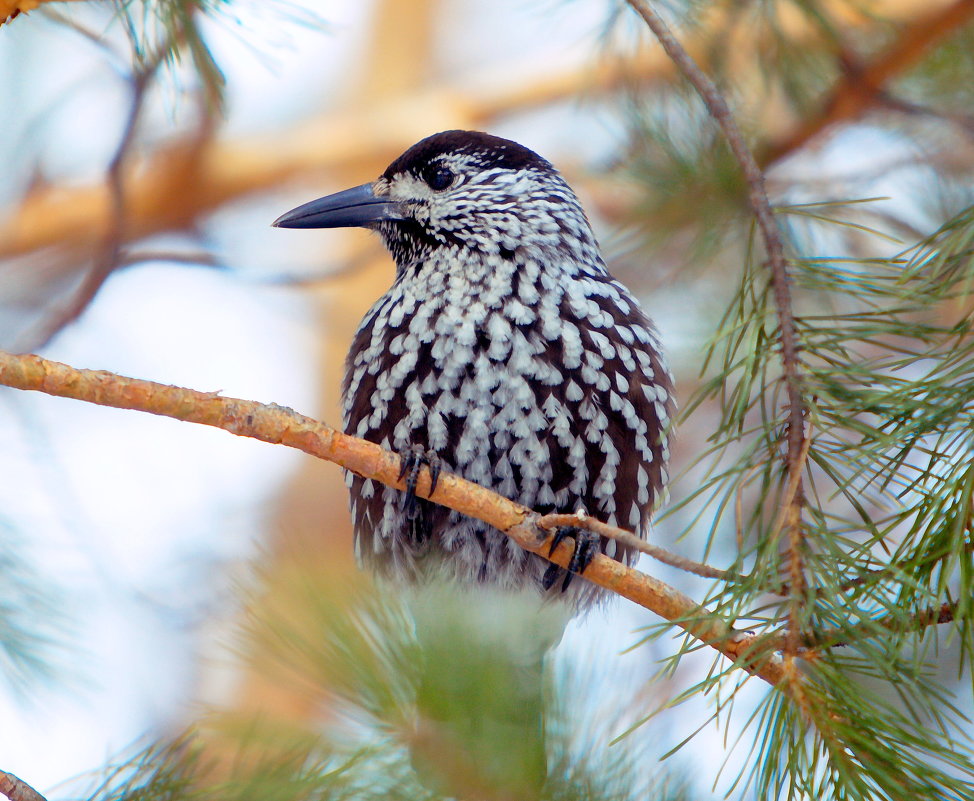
413,460
550,576
410,469
406,464
587,545
433,462
561,535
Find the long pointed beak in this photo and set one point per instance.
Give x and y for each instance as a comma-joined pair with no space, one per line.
357,206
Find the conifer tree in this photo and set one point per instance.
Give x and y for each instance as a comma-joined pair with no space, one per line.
799,174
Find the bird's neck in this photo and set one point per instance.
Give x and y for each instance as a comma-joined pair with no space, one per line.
465,279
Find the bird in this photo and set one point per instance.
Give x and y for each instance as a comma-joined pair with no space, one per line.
503,352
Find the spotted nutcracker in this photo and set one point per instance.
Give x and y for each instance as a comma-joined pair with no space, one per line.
503,352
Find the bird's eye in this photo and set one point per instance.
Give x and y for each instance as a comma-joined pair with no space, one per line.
439,178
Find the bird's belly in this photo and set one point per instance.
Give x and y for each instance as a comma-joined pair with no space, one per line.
488,428
485,424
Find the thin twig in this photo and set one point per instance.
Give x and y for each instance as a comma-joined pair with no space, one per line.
17,789
97,39
788,518
794,480
795,430
279,425
630,540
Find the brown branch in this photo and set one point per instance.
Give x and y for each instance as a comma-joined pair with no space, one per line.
16,789
279,425
795,430
861,88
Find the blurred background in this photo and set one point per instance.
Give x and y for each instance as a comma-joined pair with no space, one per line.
135,236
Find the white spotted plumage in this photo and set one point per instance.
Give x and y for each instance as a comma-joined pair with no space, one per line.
505,347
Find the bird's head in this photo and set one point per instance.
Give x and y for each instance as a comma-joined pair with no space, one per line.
460,190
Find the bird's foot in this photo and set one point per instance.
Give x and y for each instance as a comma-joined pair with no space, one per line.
413,461
587,544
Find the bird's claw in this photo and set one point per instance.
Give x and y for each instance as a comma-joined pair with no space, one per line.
587,544
413,460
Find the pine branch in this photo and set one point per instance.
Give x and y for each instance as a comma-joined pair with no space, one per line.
795,431
279,425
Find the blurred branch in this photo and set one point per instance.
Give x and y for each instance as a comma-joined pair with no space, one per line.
279,425
13,8
199,258
110,254
93,36
965,122
183,181
17,790
862,85
758,196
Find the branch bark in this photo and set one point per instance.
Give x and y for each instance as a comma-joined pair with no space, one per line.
280,425
183,181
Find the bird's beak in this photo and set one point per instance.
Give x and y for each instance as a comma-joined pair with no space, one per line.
353,207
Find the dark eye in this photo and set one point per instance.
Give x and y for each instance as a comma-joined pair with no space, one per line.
439,178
